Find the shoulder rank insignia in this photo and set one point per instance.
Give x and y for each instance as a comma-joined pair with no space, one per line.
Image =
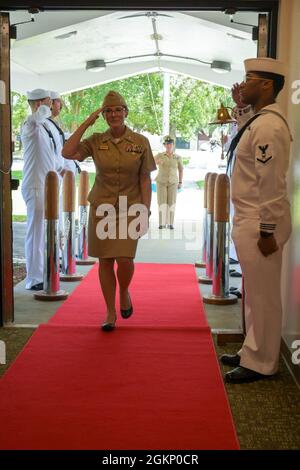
103,147
264,159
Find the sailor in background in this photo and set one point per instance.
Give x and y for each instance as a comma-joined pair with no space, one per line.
262,220
40,157
167,182
60,139
59,134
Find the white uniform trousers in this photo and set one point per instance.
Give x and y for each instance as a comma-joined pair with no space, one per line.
232,250
166,199
60,210
262,280
233,255
34,241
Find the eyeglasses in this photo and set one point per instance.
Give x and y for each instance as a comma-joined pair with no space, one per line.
117,110
247,79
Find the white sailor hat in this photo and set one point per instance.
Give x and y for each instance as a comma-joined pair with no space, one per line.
38,94
265,64
54,95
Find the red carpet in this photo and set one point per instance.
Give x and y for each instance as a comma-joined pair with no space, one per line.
162,295
79,388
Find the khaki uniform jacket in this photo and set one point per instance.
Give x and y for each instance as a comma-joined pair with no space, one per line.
167,169
118,165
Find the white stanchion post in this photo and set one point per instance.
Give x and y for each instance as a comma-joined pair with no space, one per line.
68,271
82,252
220,275
51,265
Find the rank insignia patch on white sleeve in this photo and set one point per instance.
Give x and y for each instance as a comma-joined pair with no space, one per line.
264,158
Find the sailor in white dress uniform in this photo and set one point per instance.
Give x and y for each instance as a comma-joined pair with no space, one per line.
39,158
262,220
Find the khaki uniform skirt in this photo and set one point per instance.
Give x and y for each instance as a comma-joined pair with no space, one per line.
105,239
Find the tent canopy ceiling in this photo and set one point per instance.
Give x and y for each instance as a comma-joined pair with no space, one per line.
52,51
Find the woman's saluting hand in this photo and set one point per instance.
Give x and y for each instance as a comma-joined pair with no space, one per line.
93,117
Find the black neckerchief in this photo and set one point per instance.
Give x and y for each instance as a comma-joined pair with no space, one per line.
230,154
234,144
59,130
50,135
64,140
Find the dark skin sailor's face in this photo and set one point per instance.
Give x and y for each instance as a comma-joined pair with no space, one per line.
253,87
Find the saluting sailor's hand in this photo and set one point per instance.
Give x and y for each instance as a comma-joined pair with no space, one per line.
235,93
93,117
267,245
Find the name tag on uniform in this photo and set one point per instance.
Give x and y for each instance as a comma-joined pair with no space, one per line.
103,147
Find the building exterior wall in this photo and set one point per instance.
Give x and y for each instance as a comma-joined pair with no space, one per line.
288,51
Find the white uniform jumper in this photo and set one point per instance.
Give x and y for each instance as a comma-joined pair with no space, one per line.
259,195
59,136
39,158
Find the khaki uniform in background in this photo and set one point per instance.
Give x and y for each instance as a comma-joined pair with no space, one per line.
119,163
167,184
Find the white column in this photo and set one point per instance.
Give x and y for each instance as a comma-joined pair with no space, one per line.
166,105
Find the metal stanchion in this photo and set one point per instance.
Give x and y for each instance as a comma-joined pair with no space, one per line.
68,238
202,263
82,254
207,279
51,266
220,286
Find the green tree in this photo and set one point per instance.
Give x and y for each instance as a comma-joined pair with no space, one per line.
20,110
143,94
193,104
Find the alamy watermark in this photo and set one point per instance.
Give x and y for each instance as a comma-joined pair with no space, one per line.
2,352
123,222
296,93
296,354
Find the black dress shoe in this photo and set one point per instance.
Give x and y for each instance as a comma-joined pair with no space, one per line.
39,286
171,227
235,274
237,293
230,359
241,375
126,313
109,326
233,261
162,226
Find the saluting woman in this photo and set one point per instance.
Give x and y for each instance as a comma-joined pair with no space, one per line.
119,200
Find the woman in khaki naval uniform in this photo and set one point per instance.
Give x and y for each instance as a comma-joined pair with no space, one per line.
123,161
167,183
